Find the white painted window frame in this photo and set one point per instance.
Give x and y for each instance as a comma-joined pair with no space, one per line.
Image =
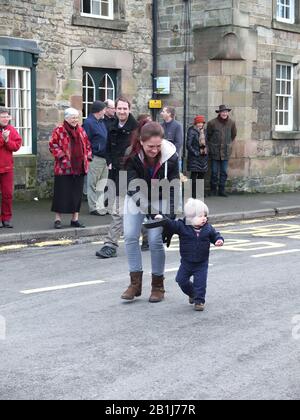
26,148
107,88
290,97
86,89
110,10
282,3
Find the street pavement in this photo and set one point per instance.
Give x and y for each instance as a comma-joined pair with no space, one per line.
35,216
83,342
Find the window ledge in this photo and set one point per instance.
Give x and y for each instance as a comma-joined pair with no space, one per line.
286,135
288,27
114,25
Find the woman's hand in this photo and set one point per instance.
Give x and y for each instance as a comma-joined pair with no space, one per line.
5,135
219,243
159,217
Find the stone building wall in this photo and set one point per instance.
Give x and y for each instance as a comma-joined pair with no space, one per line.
124,44
234,46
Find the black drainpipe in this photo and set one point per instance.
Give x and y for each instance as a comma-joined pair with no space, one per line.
155,54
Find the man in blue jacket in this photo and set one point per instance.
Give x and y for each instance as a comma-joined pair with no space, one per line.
98,173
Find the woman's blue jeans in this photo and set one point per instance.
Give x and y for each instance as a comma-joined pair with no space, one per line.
132,231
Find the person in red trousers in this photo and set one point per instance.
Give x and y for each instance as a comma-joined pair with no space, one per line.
10,141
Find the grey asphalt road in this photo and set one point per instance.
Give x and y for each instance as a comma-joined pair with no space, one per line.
85,343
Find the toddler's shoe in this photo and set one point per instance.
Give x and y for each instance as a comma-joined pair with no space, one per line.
199,307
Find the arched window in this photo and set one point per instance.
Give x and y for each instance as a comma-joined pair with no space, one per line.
98,85
107,88
89,93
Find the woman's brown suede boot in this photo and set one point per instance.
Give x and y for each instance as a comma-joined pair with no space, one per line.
135,287
158,291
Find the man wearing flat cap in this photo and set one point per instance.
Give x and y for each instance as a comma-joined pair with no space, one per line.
97,133
221,133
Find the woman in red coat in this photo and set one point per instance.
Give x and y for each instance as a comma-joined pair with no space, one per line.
71,149
10,141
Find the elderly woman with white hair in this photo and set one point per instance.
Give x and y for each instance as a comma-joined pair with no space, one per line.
71,149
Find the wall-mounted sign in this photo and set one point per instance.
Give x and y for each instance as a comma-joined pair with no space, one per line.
163,85
155,104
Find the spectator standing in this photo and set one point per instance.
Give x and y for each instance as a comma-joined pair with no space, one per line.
10,141
221,133
197,152
71,149
110,114
119,140
96,131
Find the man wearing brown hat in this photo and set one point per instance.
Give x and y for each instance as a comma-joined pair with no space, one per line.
221,133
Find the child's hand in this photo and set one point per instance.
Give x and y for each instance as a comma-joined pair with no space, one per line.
219,243
158,217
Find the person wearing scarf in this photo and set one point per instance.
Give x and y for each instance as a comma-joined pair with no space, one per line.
197,153
71,149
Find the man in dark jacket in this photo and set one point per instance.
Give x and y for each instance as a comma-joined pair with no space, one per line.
173,129
118,143
98,172
221,133
10,141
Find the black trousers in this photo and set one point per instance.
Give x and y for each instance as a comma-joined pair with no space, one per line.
194,177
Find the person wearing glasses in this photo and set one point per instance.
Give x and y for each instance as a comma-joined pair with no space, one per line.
10,142
72,152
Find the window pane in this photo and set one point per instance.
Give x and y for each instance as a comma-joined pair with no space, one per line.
278,90
286,118
91,95
289,72
95,7
289,88
281,102
105,9
284,72
2,98
286,104
280,118
278,74
103,95
86,6
11,79
111,95
2,78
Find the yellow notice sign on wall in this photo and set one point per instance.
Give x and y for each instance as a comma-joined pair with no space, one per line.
155,104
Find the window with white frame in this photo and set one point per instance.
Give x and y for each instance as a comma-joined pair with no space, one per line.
98,85
107,88
103,9
89,94
15,94
284,97
286,11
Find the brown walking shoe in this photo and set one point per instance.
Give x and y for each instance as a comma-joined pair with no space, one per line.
158,291
135,287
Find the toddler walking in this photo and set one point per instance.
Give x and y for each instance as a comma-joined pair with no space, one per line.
195,235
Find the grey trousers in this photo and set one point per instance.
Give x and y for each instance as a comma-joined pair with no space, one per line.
96,183
116,230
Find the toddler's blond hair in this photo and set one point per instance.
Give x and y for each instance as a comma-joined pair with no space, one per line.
195,208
